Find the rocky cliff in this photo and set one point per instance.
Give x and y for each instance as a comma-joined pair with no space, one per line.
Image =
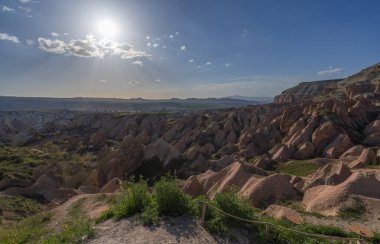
365,83
305,91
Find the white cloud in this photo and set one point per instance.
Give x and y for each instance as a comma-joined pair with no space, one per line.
65,33
157,80
149,44
177,33
103,81
90,47
54,34
164,46
138,62
171,36
155,45
183,48
147,37
6,37
29,42
52,46
227,64
199,66
331,70
7,9
133,82
191,60
208,63
24,1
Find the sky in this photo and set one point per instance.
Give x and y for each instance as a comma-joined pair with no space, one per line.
181,48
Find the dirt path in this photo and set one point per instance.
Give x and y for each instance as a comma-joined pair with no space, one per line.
171,230
93,207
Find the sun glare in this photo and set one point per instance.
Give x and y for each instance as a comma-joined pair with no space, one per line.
107,28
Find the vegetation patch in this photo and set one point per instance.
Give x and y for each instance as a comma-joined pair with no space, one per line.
15,208
352,211
34,229
29,230
19,163
164,199
253,160
228,202
75,229
296,167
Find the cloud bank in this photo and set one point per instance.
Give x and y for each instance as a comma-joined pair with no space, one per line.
7,9
89,47
6,37
330,71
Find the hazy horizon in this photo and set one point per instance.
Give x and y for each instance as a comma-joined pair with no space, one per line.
126,98
184,49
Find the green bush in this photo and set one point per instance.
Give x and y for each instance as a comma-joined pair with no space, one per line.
150,215
170,199
165,199
136,198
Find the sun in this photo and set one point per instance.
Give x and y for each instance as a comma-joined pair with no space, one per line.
107,28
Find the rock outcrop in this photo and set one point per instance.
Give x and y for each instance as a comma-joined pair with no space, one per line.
260,190
304,91
330,174
327,199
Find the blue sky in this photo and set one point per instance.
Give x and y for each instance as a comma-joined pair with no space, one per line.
181,48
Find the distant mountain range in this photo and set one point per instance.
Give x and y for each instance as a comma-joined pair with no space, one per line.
256,99
9,103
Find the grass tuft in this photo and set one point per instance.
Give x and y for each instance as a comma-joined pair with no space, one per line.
296,167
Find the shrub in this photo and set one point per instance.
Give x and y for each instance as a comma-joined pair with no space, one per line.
170,199
150,215
229,203
166,199
135,200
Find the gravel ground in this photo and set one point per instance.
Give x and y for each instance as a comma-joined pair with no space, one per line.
171,230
